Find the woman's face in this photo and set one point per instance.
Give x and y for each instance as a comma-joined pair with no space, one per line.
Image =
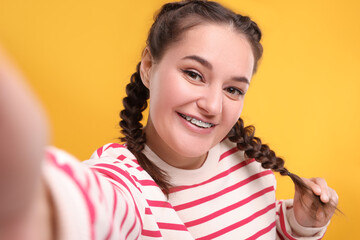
197,90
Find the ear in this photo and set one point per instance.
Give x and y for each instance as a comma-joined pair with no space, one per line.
145,67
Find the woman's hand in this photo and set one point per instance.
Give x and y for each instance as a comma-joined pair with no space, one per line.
302,204
24,208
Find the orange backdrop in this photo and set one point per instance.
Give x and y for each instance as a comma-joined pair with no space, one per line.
304,100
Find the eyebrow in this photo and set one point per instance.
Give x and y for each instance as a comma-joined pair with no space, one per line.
202,61
242,79
208,65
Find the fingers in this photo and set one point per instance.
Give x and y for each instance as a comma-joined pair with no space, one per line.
316,215
324,195
334,198
320,188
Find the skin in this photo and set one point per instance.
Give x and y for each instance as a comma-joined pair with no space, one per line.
25,211
188,85
323,215
193,80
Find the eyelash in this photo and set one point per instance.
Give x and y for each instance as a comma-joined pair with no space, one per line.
193,74
231,90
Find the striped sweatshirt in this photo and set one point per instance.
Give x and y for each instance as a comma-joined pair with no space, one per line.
111,197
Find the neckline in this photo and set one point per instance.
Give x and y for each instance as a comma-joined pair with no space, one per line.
180,177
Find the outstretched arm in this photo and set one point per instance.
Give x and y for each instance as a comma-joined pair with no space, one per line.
46,193
23,136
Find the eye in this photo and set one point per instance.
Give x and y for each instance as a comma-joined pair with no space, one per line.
193,75
234,92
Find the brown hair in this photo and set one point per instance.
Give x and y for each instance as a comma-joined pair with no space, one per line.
172,20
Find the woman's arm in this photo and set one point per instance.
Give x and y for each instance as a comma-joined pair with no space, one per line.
46,193
24,205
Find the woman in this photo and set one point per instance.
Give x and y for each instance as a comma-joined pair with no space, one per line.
193,171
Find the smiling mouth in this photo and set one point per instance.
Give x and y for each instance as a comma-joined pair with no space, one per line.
196,122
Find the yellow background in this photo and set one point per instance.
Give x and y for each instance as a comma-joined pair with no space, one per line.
304,101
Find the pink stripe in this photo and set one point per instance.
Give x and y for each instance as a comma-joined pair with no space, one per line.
145,182
120,181
135,161
101,195
262,232
121,157
113,214
220,175
282,224
148,211
125,216
118,170
172,226
222,192
279,235
239,224
229,208
227,153
130,230
155,203
67,169
99,151
114,145
149,233
128,165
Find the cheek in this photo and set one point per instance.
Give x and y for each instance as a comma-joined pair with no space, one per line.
233,112
163,93
169,90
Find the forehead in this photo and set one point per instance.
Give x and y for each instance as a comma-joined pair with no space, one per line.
220,44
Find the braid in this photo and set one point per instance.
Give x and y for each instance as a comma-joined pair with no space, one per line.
249,27
253,148
134,136
253,33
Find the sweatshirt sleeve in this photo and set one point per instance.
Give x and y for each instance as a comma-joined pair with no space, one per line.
86,204
288,228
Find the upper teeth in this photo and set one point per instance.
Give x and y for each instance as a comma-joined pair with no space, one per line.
197,122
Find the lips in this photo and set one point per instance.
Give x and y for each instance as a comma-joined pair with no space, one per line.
196,122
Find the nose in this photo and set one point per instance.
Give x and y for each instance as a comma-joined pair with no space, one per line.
210,100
